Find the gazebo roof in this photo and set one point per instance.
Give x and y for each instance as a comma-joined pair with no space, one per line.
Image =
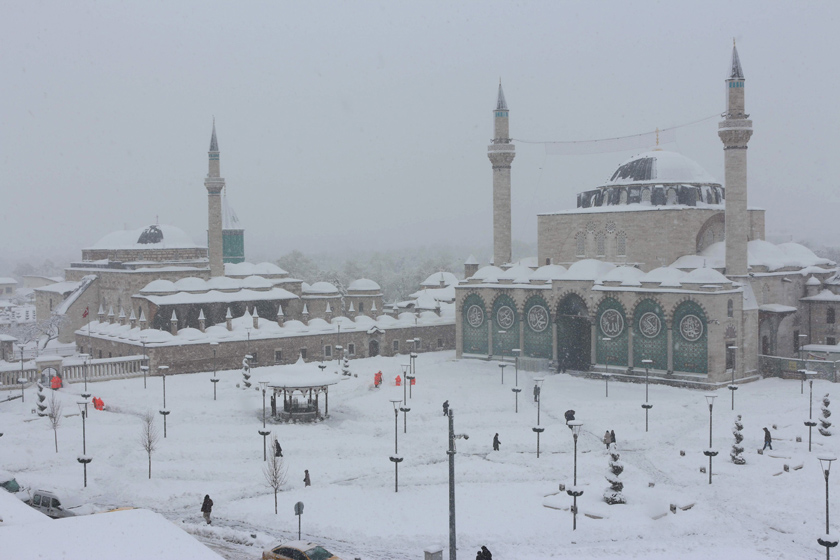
302,380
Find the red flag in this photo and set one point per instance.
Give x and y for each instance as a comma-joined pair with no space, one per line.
85,314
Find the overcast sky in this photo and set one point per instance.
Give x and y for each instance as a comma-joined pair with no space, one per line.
353,125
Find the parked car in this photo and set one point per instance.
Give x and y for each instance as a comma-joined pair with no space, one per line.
9,484
49,503
297,550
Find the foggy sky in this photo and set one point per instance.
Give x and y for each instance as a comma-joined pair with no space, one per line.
362,125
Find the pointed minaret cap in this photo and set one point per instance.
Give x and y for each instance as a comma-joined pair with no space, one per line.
111,311
351,310
501,104
305,310
142,315
122,313
174,316
201,315
101,310
736,72
228,315
373,307
471,260
214,145
132,317
279,310
329,309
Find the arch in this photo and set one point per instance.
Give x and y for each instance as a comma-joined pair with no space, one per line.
690,338
505,325
621,244
712,231
730,308
650,335
671,197
580,244
612,325
537,334
829,316
574,331
373,348
622,198
646,195
600,244
474,325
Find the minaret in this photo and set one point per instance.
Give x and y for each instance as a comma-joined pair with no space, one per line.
501,153
215,184
735,132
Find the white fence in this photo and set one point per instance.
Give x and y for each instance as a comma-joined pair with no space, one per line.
74,370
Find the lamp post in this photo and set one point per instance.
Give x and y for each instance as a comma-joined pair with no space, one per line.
502,367
214,380
537,429
404,408
322,367
710,452
828,542
85,394
801,336
83,458
22,379
451,452
412,372
164,412
145,366
264,432
574,491
647,406
607,385
606,355
516,353
810,422
395,458
732,386
502,344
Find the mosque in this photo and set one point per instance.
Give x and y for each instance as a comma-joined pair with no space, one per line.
660,268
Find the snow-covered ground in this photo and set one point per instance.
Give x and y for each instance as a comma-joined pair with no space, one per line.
506,500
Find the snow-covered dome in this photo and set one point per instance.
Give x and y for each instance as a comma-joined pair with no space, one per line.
434,280
363,285
223,283
626,275
257,283
191,284
588,269
705,276
159,287
319,288
488,273
516,272
665,275
250,269
549,272
151,237
660,167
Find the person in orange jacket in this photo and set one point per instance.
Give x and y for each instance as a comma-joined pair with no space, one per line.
55,382
98,403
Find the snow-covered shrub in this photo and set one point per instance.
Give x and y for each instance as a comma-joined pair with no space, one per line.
737,448
246,373
42,407
825,424
613,495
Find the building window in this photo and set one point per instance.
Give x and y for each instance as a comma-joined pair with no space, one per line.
351,349
601,244
303,353
621,244
328,351
829,315
278,356
254,358
830,340
580,244
361,307
396,346
417,344
440,343
796,341
730,309
50,304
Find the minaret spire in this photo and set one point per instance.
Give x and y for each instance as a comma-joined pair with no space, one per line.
214,184
501,153
735,131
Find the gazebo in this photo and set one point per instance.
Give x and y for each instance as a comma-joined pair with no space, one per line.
300,394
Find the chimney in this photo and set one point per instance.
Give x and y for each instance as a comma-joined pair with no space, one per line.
173,324
328,313
143,324
202,322
229,320
256,318
111,315
280,317
470,266
122,316
351,312
133,319
305,314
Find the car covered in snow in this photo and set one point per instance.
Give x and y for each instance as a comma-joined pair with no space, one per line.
10,484
297,550
49,503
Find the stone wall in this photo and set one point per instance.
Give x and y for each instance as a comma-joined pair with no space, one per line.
158,255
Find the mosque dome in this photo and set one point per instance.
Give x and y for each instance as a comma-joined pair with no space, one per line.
151,237
363,285
661,167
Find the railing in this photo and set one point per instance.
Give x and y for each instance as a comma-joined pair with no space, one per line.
74,370
11,372
788,368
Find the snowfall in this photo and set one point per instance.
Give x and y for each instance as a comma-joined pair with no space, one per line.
508,500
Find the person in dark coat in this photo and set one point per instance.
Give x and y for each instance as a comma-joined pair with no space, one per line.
446,408
278,451
496,442
306,481
612,436
768,440
485,554
536,393
207,507
274,405
607,438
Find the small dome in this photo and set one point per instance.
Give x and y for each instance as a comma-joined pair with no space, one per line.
191,284
363,285
660,167
549,272
433,281
223,283
588,269
488,272
516,272
159,287
664,274
151,237
705,276
319,288
813,281
257,283
627,275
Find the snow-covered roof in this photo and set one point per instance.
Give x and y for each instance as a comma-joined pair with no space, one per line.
705,276
488,273
159,286
549,272
363,285
516,272
471,260
588,269
214,296
824,295
813,281
257,283
59,287
760,253
191,284
229,217
319,288
660,167
434,280
84,283
151,237
249,269
6,280
626,275
776,308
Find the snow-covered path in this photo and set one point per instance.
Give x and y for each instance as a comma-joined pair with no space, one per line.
212,447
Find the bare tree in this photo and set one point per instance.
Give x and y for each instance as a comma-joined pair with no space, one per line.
275,473
149,436
54,414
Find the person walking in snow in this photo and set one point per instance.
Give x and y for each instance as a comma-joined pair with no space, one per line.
569,415
496,442
278,451
274,406
207,507
446,408
612,436
536,393
485,554
306,481
607,439
768,440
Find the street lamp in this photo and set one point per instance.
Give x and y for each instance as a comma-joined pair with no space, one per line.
164,412
502,367
451,452
647,406
516,353
810,422
801,336
404,408
607,385
537,429
264,432
322,367
83,458
574,491
733,387
606,355
215,379
395,458
827,540
502,344
22,379
412,372
710,452
145,366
